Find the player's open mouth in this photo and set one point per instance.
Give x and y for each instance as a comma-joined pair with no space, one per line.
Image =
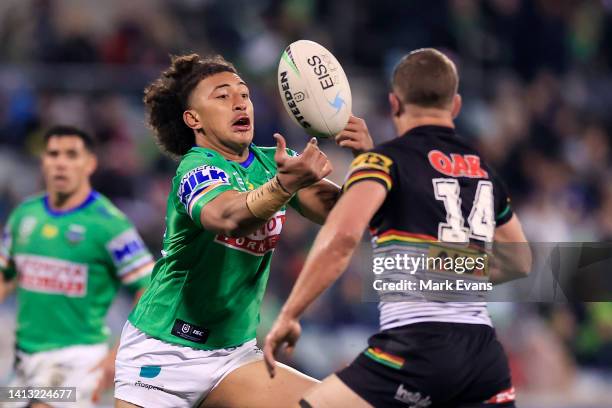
242,124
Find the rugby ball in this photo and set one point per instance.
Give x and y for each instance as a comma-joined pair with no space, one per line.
314,89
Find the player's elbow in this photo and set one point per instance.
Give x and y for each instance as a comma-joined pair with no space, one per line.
232,229
345,241
519,262
235,228
221,225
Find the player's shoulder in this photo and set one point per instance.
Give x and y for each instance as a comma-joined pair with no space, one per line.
389,148
382,155
105,210
106,218
32,200
29,204
198,157
198,165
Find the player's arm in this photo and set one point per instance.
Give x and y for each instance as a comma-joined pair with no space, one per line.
236,214
511,258
327,260
316,201
132,263
6,288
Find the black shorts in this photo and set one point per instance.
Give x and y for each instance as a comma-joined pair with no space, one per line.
431,365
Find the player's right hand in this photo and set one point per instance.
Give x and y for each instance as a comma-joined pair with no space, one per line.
285,331
355,136
300,171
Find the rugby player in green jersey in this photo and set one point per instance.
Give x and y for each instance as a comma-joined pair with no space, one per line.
66,252
190,341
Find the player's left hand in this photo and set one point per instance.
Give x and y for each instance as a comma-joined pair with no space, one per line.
355,136
107,375
285,330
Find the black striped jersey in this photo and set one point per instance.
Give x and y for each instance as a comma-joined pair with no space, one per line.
439,191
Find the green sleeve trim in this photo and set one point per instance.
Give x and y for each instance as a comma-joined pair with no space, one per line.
208,197
503,213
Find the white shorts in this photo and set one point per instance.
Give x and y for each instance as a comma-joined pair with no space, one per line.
152,373
66,367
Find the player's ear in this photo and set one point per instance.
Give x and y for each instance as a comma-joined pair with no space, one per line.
92,164
192,119
396,104
457,102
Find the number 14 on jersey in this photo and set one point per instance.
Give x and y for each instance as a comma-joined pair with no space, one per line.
481,221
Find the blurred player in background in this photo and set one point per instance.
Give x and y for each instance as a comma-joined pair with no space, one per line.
191,337
427,185
67,252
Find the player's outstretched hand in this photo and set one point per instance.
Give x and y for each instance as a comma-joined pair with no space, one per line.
355,136
300,171
106,366
285,331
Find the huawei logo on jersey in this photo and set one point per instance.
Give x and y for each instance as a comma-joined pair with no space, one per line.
457,165
259,242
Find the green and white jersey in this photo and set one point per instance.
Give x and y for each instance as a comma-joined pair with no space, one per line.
207,288
68,267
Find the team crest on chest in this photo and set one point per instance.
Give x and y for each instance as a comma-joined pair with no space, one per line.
75,233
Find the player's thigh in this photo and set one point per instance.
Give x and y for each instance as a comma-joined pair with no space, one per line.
332,393
251,386
124,404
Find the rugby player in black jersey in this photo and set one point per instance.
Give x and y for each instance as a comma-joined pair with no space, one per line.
422,189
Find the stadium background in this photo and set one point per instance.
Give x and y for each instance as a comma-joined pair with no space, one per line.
537,87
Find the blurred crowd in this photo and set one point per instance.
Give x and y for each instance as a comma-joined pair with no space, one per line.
536,85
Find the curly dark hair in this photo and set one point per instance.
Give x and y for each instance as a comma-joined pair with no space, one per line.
166,99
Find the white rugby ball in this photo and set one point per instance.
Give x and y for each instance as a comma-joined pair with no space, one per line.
314,88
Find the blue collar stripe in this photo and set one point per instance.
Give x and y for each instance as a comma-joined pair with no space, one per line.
249,159
93,196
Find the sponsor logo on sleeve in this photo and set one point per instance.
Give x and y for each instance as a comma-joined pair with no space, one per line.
372,161
51,275
126,247
259,242
201,177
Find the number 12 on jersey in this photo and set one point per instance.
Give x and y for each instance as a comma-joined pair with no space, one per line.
481,220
